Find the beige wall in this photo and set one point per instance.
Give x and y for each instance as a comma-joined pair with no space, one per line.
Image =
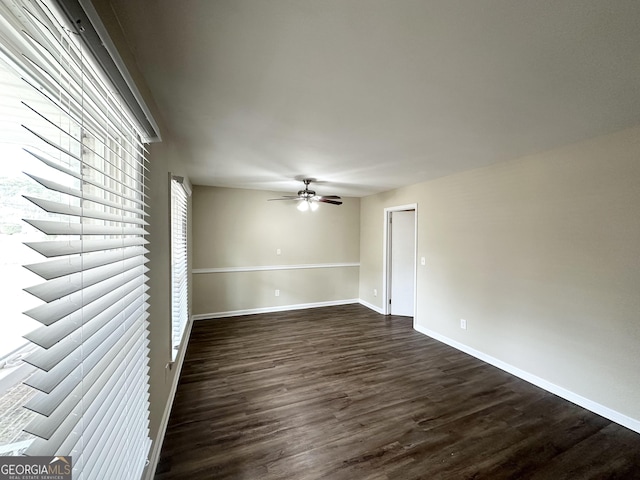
163,161
240,228
541,256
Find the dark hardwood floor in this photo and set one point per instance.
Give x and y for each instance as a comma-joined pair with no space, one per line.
345,393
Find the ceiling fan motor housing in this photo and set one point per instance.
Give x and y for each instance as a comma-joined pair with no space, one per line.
306,193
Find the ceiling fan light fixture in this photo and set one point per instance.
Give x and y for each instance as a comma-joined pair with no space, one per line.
308,200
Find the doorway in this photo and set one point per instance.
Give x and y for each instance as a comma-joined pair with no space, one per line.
400,260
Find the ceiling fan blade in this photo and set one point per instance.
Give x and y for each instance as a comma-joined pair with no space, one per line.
325,200
292,197
331,197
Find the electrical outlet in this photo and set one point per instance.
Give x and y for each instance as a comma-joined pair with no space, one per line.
277,293
375,292
278,251
463,324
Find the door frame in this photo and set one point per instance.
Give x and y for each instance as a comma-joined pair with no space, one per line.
386,255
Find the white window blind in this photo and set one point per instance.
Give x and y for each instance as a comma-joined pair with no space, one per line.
179,266
92,348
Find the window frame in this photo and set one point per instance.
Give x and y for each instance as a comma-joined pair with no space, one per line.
179,194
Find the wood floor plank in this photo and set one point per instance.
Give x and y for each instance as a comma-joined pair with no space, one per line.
344,393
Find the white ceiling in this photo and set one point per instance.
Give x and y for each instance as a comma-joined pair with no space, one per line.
369,95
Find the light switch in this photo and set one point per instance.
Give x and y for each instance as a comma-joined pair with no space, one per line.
423,261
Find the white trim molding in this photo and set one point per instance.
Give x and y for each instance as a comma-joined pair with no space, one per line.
260,268
371,306
606,412
122,72
279,308
164,421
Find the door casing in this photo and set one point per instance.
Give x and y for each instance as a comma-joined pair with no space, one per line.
386,270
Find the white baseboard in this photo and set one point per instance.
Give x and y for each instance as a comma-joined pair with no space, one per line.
279,308
371,306
157,443
606,412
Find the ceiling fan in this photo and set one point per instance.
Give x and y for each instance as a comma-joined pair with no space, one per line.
308,198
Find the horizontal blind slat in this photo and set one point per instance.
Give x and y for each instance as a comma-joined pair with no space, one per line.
138,188
79,141
109,441
98,415
74,192
98,424
79,176
53,311
50,206
89,336
62,286
57,248
114,303
93,354
65,266
51,227
54,430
